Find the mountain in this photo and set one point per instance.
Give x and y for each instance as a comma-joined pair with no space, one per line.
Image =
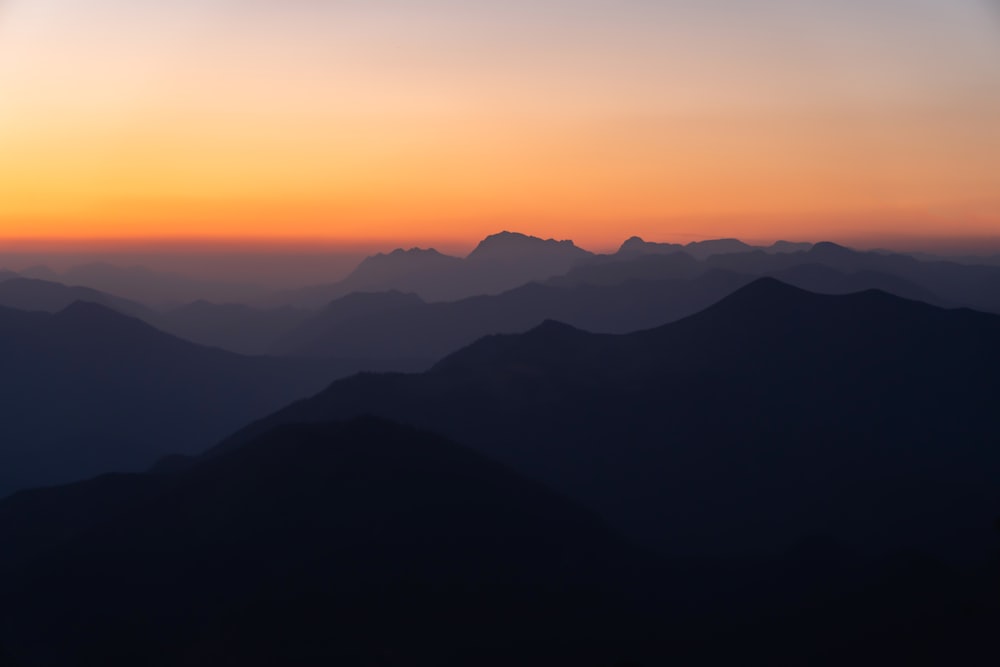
514,247
974,286
40,272
703,249
157,288
382,325
774,415
356,543
636,246
825,280
8,275
613,270
50,297
233,327
937,282
88,390
500,262
787,247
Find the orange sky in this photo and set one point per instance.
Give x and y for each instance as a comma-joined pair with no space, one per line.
435,120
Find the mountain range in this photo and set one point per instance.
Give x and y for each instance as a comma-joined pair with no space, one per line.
782,478
500,262
89,390
864,408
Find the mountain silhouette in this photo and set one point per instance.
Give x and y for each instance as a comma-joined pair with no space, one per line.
329,542
379,326
635,246
88,390
51,297
156,288
234,327
874,413
500,262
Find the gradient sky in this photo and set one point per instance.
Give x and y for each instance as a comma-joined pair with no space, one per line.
353,120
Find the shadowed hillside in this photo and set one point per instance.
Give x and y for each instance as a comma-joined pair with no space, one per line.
869,410
88,390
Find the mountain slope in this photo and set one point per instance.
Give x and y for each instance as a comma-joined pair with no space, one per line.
51,297
88,390
234,327
875,414
392,324
354,542
500,262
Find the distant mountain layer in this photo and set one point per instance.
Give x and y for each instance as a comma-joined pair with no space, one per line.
88,390
143,285
51,297
234,327
500,262
610,297
391,323
774,415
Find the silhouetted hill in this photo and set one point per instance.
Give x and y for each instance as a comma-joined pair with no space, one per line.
637,246
234,327
949,282
613,270
7,275
937,282
88,390
513,247
787,247
703,249
157,288
349,543
50,297
382,325
774,415
500,262
40,272
825,280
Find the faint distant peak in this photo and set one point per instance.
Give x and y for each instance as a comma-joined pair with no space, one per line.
407,257
412,252
513,244
554,328
789,247
88,310
828,249
764,293
39,272
637,245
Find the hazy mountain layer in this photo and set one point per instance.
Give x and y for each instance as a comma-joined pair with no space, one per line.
773,415
88,390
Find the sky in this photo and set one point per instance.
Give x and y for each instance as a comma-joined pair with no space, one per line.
440,121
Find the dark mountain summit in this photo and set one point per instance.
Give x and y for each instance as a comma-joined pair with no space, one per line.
341,543
88,390
872,412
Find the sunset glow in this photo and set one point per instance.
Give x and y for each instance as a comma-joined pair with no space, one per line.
445,120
